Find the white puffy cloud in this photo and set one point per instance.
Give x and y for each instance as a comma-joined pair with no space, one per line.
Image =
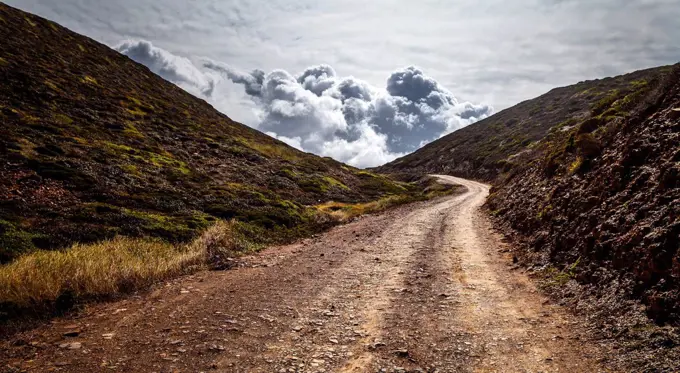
412,109
201,77
369,149
348,119
251,81
317,79
179,70
321,112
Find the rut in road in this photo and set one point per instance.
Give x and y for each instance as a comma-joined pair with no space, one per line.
420,288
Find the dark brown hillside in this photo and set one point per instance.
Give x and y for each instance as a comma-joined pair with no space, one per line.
589,173
94,145
597,209
586,179
605,198
488,148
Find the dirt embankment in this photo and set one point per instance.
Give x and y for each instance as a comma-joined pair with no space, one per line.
599,217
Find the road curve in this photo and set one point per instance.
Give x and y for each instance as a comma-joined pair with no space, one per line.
421,288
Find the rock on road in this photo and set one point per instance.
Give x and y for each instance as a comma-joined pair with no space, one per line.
421,288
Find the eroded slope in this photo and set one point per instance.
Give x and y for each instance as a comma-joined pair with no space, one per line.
604,198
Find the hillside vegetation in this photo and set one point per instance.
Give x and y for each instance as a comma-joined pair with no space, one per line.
586,179
491,147
94,147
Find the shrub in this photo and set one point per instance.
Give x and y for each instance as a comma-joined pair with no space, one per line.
605,102
556,278
588,146
14,241
220,242
343,212
589,125
576,165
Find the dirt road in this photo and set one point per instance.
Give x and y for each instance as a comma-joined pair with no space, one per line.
422,288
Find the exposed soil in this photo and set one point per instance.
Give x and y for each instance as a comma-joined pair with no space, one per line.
601,215
426,287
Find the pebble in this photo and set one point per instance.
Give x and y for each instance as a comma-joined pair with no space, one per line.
401,353
71,333
71,345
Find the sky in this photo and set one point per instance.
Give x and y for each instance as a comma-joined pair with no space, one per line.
368,81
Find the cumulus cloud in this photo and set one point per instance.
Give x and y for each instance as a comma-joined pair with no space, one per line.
323,113
179,70
370,148
341,116
251,81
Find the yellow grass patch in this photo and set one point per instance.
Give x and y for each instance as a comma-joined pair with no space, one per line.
346,211
104,268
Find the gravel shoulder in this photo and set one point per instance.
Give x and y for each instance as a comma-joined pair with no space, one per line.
427,287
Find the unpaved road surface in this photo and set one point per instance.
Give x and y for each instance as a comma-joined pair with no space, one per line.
422,288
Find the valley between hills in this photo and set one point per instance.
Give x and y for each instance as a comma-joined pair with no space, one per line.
141,230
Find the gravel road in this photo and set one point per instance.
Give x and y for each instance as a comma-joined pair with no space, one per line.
426,287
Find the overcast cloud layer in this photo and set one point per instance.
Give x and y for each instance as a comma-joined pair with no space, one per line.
492,52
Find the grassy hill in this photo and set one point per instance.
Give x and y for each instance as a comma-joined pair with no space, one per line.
490,148
94,146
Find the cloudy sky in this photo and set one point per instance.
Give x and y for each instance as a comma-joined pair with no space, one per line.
367,81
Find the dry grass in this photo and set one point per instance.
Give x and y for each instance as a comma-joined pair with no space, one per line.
343,212
222,241
106,268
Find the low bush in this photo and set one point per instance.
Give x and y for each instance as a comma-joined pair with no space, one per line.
588,146
224,240
343,212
